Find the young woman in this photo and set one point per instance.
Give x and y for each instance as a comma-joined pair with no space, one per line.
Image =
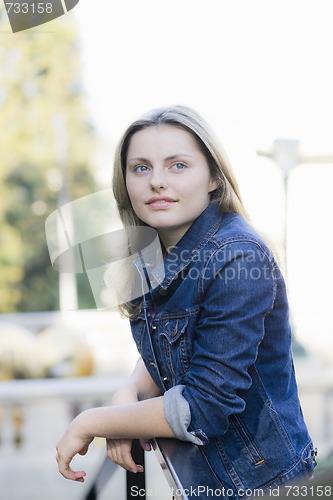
216,367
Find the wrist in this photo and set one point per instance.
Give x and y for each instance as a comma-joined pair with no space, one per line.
87,422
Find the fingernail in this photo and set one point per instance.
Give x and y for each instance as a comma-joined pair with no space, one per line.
133,470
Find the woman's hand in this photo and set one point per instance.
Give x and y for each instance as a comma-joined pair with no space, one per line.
74,441
119,451
118,425
136,411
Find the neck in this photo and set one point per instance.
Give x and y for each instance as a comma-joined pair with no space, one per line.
170,238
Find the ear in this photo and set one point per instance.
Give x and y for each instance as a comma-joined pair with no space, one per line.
214,184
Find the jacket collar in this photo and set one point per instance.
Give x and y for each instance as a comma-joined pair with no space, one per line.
190,244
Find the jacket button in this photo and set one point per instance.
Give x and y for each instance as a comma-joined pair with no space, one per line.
153,327
152,364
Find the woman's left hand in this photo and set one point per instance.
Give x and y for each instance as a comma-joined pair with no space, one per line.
74,441
119,451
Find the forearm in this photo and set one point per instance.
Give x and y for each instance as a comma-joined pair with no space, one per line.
144,419
126,419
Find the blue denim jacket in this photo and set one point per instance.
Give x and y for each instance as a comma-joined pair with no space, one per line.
219,348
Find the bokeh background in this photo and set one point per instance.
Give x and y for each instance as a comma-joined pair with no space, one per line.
260,73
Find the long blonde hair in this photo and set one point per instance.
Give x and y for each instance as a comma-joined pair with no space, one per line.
227,194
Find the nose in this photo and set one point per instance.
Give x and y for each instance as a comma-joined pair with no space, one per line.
158,179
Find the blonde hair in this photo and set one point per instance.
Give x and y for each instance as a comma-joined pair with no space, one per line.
227,194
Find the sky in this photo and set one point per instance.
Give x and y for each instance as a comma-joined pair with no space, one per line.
257,70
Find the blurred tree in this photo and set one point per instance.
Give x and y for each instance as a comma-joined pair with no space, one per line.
39,83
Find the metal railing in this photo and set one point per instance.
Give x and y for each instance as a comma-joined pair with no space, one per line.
189,476
45,407
26,407
33,416
184,466
134,482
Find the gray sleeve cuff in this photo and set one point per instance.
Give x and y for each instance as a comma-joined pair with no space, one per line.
178,415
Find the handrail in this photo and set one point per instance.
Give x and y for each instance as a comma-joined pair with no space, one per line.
185,469
134,482
80,387
184,465
190,476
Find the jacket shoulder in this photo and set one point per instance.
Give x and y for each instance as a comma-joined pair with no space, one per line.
235,226
235,229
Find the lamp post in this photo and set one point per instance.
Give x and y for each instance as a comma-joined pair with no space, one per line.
287,155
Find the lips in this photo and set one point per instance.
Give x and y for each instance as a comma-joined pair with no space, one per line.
160,203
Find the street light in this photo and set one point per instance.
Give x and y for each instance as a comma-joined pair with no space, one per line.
286,153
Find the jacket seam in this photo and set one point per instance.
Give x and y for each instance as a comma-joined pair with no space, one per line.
179,315
271,261
228,466
269,404
241,238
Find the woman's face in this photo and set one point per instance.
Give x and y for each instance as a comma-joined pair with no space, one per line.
168,180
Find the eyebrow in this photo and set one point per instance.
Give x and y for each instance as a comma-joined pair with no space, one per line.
168,158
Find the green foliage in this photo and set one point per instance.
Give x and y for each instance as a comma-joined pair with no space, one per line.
39,165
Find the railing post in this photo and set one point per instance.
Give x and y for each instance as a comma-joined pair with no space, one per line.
136,483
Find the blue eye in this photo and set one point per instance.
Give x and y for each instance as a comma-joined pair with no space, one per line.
141,168
178,166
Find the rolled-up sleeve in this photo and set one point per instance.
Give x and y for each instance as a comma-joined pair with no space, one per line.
178,415
237,294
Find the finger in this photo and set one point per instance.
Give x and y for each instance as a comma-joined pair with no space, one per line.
115,447
145,444
68,473
111,449
122,455
74,475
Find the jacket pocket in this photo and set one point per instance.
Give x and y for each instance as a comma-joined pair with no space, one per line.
176,346
175,334
174,329
246,439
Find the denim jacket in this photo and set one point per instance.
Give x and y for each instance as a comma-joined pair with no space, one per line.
219,348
